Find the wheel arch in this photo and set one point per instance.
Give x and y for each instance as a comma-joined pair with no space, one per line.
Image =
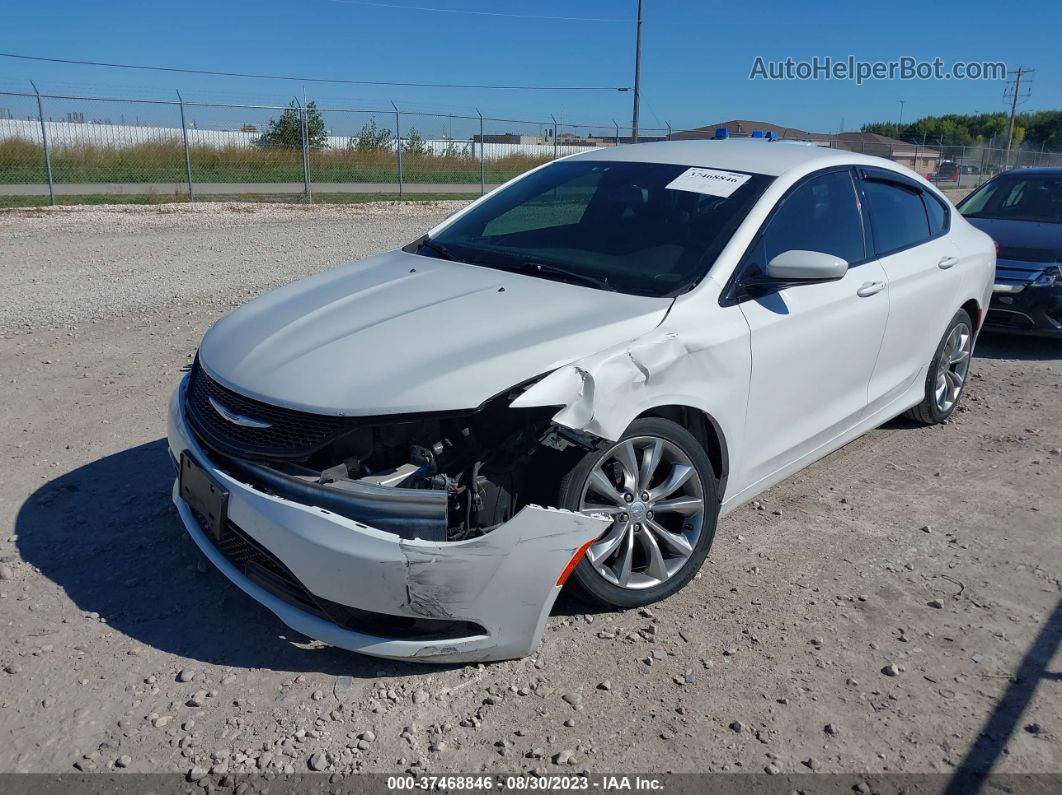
973,309
705,429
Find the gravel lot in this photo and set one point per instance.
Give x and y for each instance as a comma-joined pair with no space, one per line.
895,607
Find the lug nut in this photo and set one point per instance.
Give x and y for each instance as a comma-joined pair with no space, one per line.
628,497
645,495
623,517
649,515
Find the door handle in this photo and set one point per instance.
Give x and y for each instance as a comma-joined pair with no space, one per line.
947,262
870,288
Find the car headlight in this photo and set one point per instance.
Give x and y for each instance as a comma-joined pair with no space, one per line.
1049,278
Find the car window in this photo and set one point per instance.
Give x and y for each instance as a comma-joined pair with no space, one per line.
938,214
563,204
1019,198
897,216
819,215
614,224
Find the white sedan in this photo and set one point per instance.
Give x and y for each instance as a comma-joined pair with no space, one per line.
576,375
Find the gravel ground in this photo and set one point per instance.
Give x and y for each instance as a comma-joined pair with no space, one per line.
894,607
121,260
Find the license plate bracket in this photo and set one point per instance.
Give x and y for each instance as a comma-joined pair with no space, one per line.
205,496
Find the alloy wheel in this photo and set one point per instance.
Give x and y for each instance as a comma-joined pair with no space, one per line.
953,367
651,490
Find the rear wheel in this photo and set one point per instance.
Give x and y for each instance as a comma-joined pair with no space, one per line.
947,372
658,487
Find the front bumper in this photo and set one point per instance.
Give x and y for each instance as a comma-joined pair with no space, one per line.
1018,306
497,588
1033,310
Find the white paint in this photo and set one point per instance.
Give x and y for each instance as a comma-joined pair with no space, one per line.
504,581
414,334
786,379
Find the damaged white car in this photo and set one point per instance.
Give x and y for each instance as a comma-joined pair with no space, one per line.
577,374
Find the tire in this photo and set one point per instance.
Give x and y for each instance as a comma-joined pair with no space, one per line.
670,520
950,375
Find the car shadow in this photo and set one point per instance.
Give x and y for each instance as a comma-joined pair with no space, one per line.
991,345
108,534
973,772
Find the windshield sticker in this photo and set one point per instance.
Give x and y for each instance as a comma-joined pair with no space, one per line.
709,181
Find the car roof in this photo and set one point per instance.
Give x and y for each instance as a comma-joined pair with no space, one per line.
773,158
1038,171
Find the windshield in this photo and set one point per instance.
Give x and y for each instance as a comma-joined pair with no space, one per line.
1017,198
611,225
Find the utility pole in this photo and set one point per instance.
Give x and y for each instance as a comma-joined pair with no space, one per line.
1015,95
637,74
900,122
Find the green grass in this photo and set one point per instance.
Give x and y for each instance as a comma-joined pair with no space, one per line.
10,202
22,162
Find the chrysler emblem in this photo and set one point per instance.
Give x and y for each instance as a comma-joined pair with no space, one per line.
237,419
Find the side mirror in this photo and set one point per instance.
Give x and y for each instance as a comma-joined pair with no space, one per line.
798,265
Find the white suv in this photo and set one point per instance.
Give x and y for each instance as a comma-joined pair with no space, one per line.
577,374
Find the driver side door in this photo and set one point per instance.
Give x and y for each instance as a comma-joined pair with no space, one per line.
814,345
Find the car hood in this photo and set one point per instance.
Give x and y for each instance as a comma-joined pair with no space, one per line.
1030,241
402,333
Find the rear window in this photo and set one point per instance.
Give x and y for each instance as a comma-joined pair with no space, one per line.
938,214
897,216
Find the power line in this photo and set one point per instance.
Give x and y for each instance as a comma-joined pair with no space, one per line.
475,13
1013,91
308,79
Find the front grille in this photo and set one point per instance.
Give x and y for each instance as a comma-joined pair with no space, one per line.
259,565
292,434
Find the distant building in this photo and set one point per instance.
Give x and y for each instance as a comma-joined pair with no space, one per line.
512,138
743,128
922,159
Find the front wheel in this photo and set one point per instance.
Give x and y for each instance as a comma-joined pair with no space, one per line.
658,486
947,372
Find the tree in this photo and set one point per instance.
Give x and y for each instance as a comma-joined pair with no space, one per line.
414,143
371,138
287,130
1045,128
1038,128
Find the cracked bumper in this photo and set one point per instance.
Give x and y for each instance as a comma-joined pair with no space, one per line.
504,582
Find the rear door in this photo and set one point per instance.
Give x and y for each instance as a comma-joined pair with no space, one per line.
813,345
909,229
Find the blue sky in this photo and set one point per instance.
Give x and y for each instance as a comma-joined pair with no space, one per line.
696,55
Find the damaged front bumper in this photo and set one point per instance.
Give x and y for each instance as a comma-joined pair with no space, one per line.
361,588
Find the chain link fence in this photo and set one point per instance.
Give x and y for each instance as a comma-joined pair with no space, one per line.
85,149
73,148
